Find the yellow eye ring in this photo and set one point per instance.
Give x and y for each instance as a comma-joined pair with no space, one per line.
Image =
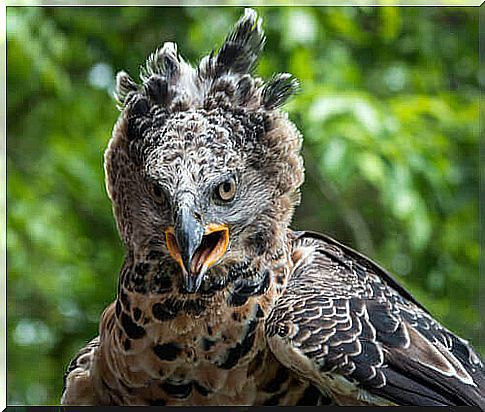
226,190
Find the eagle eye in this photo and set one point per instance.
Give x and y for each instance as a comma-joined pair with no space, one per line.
226,190
157,192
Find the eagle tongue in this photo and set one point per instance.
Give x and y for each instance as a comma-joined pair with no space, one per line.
208,245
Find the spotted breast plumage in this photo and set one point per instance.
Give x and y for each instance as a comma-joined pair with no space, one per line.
219,302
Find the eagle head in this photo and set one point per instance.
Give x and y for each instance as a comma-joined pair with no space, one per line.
203,167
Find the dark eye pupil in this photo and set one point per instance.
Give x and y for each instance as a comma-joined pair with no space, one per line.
157,191
226,187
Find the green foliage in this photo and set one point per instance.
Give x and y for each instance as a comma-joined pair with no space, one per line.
388,108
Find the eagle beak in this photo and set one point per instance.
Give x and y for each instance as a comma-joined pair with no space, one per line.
195,248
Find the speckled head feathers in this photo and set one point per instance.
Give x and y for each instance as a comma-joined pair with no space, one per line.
221,79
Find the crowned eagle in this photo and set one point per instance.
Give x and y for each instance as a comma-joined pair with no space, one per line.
219,302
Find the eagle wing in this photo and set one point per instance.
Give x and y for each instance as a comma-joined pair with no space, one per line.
345,324
78,381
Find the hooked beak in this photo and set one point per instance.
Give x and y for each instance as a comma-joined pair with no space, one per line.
194,247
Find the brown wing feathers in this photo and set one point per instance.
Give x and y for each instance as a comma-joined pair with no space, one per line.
351,318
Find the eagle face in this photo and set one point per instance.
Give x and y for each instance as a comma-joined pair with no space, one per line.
203,167
206,192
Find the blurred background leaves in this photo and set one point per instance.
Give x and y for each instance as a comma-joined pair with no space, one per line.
388,107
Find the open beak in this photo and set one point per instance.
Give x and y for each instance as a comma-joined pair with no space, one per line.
196,248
